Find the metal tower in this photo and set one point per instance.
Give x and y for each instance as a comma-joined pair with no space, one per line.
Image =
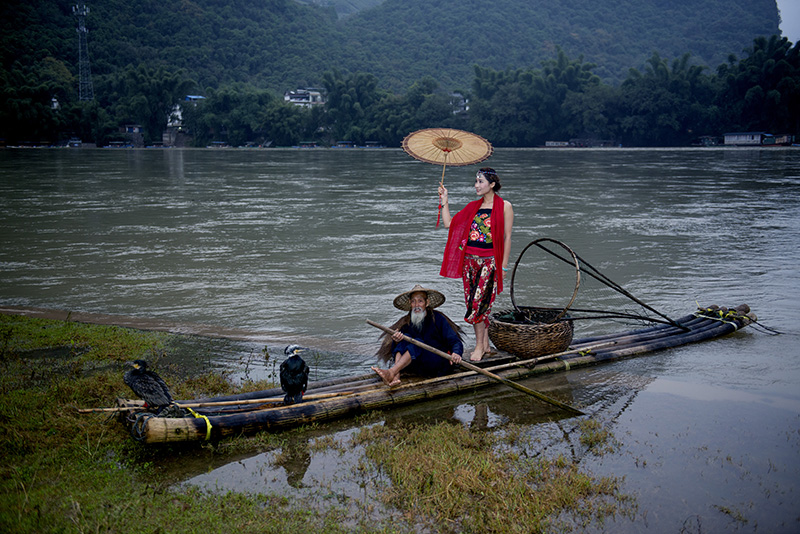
85,88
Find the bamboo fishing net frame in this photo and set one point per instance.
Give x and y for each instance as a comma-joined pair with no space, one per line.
528,331
588,269
538,330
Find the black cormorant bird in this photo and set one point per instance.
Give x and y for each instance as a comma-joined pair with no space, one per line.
294,375
148,386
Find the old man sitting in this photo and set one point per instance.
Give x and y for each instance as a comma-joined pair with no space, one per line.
425,324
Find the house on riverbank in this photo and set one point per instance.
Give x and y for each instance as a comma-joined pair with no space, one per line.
757,139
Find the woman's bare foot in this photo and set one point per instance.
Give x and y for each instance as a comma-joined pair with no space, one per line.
386,376
477,355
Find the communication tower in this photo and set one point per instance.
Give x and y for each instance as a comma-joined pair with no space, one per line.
85,88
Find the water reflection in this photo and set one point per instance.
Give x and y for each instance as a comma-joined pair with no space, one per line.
292,470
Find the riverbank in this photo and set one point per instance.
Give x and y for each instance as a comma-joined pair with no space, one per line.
139,323
65,472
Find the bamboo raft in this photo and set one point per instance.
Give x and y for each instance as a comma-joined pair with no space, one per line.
212,419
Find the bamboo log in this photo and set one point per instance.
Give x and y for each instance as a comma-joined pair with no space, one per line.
273,400
315,386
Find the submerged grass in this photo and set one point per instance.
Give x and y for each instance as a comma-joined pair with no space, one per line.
67,472
466,482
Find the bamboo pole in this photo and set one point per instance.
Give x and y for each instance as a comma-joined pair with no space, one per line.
472,367
271,400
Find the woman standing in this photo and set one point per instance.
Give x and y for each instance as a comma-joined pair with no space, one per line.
477,250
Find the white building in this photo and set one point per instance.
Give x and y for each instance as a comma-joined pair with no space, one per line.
744,138
306,98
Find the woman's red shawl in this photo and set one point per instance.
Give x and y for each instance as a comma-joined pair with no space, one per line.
459,233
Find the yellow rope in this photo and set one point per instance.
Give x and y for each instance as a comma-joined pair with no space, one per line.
199,416
719,315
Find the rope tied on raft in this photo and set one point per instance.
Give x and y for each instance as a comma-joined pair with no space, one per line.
139,421
201,416
139,424
739,316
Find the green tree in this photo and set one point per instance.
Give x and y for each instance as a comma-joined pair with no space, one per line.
667,105
424,105
234,114
91,122
348,100
145,96
28,112
284,124
762,91
528,107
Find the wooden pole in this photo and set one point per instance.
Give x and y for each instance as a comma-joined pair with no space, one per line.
464,363
441,183
271,400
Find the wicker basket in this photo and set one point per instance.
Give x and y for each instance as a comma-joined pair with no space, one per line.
529,332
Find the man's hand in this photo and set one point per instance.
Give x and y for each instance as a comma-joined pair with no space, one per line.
456,359
397,336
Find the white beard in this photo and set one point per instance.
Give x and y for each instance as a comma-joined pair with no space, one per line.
417,316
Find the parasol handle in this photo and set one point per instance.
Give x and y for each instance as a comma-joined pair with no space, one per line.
441,182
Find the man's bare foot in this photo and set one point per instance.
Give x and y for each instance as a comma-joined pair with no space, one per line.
386,377
477,355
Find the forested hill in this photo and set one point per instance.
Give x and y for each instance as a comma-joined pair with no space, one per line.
445,38
283,44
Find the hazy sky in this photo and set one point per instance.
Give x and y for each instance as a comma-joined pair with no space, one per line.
790,19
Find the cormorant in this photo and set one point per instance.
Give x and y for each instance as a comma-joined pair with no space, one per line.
148,386
294,375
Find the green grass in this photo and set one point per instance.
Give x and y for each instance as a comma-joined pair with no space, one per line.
66,472
473,482
69,472
96,342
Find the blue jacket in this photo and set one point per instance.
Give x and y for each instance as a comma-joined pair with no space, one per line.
436,332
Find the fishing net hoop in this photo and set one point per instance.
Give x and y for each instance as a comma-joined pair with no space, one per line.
572,258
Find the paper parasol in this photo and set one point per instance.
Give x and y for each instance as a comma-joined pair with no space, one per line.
447,146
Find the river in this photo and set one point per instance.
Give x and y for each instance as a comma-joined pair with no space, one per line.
271,246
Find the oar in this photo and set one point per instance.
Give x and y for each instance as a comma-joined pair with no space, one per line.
477,369
272,400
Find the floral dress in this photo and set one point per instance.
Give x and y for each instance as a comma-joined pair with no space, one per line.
479,269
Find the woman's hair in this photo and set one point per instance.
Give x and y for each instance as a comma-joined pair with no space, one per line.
491,177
